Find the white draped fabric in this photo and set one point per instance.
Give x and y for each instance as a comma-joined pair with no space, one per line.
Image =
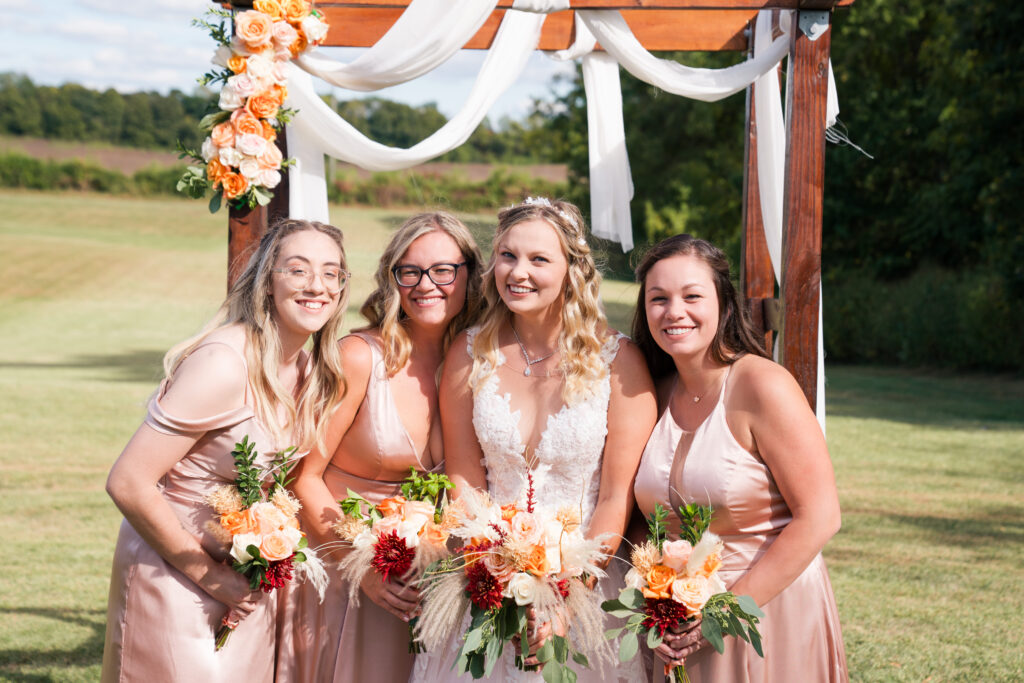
431,31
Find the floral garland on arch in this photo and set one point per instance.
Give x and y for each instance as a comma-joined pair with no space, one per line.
240,160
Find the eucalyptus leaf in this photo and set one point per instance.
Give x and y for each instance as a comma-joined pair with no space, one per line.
581,659
748,605
632,598
654,638
711,630
561,648
628,647
546,652
473,639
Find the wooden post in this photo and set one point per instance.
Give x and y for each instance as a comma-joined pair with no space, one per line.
806,95
245,228
757,277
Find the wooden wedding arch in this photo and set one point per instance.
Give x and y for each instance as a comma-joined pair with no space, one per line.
678,25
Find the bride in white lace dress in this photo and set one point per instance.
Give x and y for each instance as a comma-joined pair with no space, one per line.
550,388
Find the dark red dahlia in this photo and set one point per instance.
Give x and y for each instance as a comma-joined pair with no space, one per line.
278,574
391,555
663,613
483,589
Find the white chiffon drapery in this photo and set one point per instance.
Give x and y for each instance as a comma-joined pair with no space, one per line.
430,31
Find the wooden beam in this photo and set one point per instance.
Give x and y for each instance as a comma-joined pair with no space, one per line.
278,209
706,30
806,95
757,277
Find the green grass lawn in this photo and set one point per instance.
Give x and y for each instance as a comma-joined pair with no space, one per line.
93,290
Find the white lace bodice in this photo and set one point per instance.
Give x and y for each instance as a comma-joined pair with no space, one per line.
568,456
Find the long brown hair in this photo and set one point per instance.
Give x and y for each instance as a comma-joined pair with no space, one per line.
735,335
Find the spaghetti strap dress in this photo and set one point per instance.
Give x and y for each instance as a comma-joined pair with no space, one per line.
161,625
800,630
338,640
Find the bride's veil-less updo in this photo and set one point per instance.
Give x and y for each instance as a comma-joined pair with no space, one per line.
250,305
584,326
383,308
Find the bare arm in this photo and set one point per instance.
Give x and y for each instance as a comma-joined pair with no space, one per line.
463,457
632,412
789,439
210,381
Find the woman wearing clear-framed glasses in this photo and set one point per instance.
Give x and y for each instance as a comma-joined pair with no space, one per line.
428,290
247,373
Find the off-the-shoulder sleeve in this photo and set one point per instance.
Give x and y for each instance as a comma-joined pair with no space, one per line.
162,421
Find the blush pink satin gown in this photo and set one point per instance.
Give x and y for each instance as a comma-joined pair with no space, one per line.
338,640
161,625
800,631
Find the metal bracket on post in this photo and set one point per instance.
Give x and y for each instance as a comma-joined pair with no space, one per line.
813,23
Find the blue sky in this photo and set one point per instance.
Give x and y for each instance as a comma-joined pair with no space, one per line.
151,45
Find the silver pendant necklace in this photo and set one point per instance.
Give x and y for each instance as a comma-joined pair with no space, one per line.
527,372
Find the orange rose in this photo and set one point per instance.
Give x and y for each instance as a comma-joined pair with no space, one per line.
269,132
240,522
300,44
237,63
433,534
711,564
280,93
537,561
391,506
245,123
659,582
215,172
271,7
234,184
255,29
275,546
295,10
508,512
263,105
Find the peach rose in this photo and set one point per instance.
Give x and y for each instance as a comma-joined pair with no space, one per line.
240,522
237,63
268,517
691,592
659,582
271,158
284,34
391,506
250,169
271,7
525,527
254,29
537,561
269,178
383,527
215,172
433,534
413,509
223,134
295,10
263,105
245,123
234,184
498,565
275,546
251,145
674,554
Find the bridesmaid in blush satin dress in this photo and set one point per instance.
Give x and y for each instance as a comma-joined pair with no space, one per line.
736,432
427,291
171,582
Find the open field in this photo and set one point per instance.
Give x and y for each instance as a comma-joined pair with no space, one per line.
927,568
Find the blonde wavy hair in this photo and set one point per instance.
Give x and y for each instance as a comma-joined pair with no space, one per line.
584,326
383,308
249,303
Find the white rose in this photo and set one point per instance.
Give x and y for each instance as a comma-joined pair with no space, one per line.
314,29
230,100
251,145
365,539
239,544
634,579
243,84
230,157
522,588
269,178
250,168
221,56
259,67
280,72
209,149
409,531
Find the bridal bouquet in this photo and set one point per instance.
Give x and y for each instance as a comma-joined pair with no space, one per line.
673,582
239,158
262,527
514,557
399,537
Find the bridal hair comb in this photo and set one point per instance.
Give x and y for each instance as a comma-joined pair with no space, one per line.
544,201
